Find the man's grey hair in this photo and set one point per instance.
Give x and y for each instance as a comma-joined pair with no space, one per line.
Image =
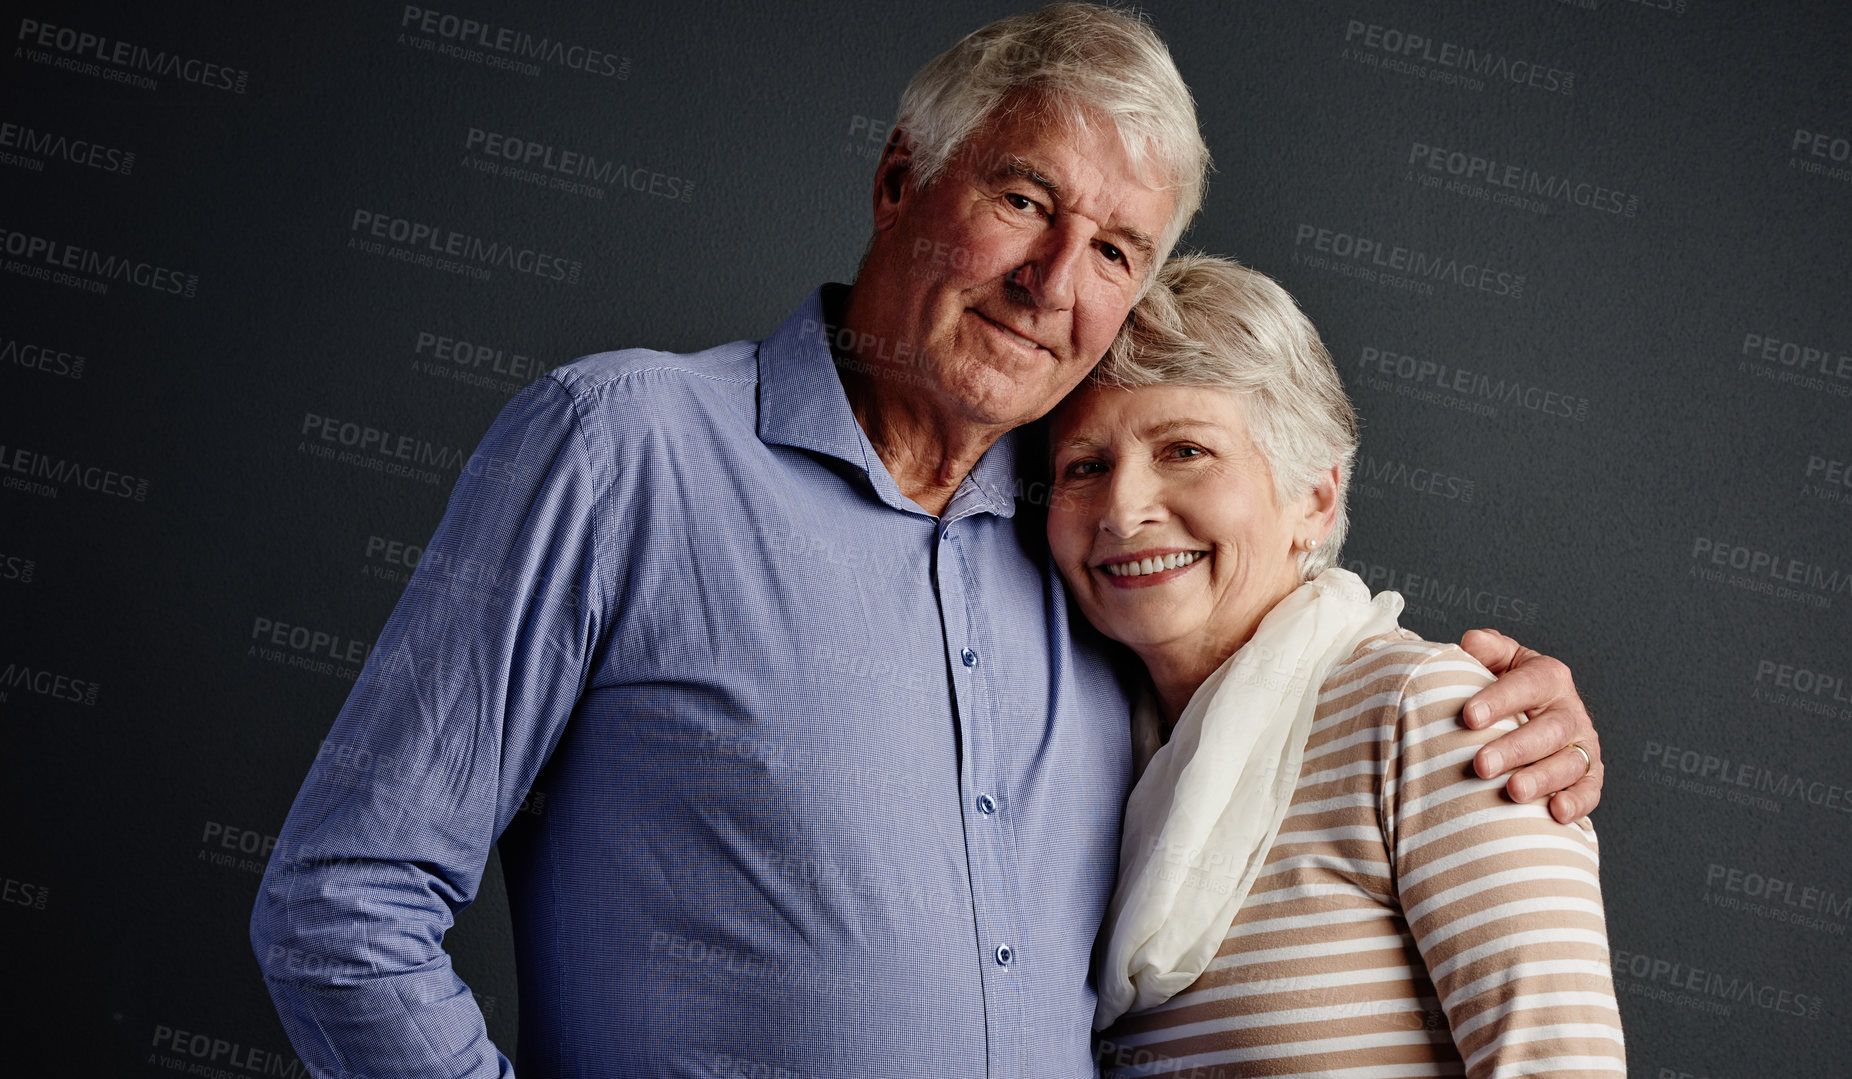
1081,62
1213,322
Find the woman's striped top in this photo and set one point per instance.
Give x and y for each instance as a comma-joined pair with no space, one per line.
1410,920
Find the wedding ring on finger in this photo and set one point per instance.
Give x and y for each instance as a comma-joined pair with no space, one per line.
1588,762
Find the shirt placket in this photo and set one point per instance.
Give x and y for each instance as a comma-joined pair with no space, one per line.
985,802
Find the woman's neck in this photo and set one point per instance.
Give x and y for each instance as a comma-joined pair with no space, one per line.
1179,668
1176,675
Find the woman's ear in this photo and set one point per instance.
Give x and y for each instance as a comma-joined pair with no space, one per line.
1321,506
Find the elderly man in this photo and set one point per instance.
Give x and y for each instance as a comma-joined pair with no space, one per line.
820,776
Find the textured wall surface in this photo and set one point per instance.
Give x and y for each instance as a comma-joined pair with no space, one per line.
1584,266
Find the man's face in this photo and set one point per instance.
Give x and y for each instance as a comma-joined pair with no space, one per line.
1012,273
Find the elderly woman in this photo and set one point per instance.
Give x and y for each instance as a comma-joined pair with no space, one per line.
1312,880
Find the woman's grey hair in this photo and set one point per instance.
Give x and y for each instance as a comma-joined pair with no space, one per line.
1079,62
1213,322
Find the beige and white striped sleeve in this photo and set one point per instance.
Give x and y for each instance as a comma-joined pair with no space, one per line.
1504,903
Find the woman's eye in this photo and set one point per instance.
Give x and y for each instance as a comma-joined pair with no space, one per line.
1190,451
1085,468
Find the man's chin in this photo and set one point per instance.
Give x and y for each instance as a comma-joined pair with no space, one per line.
992,396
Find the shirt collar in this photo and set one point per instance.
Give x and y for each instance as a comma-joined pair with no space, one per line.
802,404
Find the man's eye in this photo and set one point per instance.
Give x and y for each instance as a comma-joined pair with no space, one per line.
1020,202
1112,252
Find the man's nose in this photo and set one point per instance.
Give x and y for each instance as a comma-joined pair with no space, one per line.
1049,277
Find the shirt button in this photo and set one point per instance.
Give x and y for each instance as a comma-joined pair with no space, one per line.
986,804
969,657
1004,955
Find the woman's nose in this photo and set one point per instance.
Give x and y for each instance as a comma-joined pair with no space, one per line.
1132,502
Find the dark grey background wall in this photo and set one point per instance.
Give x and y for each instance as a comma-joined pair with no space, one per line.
1589,291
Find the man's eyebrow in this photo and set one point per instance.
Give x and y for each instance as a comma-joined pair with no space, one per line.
1138,241
1024,169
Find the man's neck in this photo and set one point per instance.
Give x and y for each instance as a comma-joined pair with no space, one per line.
927,450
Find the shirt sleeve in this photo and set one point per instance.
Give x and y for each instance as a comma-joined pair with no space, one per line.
1504,902
455,710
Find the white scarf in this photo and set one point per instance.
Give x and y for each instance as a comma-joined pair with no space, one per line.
1201,819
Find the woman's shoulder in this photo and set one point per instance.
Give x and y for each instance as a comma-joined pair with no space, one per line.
1395,691
1391,667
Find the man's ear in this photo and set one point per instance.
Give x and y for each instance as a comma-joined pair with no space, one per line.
892,176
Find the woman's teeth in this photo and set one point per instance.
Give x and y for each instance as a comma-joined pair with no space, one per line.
1153,565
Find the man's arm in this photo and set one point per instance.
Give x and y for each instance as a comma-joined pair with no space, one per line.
458,706
1541,687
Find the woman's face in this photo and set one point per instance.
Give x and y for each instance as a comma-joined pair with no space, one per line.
1164,518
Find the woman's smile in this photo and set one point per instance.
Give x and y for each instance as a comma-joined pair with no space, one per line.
1142,569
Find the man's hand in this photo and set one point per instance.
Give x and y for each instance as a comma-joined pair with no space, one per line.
1531,682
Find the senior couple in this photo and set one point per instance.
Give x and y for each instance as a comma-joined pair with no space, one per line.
834,736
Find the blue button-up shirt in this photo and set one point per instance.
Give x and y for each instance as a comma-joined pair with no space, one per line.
792,778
